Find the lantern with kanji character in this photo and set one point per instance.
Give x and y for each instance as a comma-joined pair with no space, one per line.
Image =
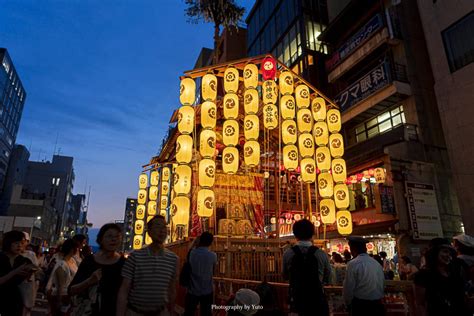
182,179
270,116
187,91
209,87
186,119
269,92
165,173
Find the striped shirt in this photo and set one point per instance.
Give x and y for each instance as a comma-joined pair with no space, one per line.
151,276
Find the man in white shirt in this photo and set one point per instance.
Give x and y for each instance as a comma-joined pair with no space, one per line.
364,281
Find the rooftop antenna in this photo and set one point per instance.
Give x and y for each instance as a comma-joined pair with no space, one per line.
39,154
55,144
88,199
31,143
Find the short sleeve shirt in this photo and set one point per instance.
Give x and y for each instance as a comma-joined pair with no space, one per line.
202,269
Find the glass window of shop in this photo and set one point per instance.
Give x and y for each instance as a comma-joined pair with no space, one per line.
361,195
380,124
313,30
459,42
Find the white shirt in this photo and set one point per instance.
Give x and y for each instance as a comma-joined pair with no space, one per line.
364,279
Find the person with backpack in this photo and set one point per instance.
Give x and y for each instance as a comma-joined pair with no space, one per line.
364,282
307,268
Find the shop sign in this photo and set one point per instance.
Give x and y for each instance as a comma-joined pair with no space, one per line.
423,210
374,80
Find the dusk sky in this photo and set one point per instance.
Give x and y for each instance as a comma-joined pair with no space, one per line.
102,77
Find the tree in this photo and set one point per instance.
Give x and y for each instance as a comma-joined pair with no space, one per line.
224,13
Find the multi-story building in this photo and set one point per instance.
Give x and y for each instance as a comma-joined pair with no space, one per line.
129,215
77,219
12,100
447,27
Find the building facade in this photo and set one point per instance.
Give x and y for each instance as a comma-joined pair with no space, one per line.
128,219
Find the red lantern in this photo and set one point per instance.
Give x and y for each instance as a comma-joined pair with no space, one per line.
269,68
371,172
288,216
281,221
282,168
298,169
359,177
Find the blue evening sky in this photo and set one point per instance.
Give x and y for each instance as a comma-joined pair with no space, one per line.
102,77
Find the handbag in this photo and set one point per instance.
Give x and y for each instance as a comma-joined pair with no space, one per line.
185,274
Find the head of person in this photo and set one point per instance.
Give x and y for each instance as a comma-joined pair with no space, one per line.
383,254
464,244
347,255
80,239
69,248
206,239
26,241
303,230
337,258
247,297
357,245
157,229
109,237
13,242
440,255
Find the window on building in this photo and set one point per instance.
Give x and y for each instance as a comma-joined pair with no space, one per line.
57,181
313,30
380,124
6,64
459,42
361,196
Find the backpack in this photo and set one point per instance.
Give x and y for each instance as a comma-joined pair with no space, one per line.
306,291
185,274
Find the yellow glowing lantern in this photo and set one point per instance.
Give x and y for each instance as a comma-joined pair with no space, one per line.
251,127
325,185
230,131
164,202
154,177
339,172
165,174
270,116
286,83
302,96
148,239
318,107
305,120
336,144
323,158
379,174
151,208
182,179
208,114
187,91
207,143
184,149
231,106
153,193
320,133
344,222
186,119
207,173
205,203
149,218
334,120
327,210
163,213
180,209
143,181
306,145
308,170
290,157
269,92
287,107
251,101
288,132
341,195
140,212
209,87
139,225
141,196
250,76
252,153
137,242
231,80
230,160
165,188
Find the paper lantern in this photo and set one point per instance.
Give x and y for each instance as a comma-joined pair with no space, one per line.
380,175
140,212
327,210
207,173
165,188
186,119
142,196
230,133
187,91
182,179
165,174
143,181
320,133
251,101
341,195
269,92
231,80
139,226
325,185
344,222
231,106
323,158
153,193
251,76
205,203
286,83
164,214
339,172
137,242
164,202
318,107
304,120
209,87
208,114
252,153
184,149
148,240
287,107
207,143
290,157
306,145
308,170
302,96
251,127
336,145
180,209
270,116
288,132
334,120
149,218
269,68
151,208
230,160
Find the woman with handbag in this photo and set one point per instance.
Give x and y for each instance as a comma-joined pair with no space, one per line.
98,279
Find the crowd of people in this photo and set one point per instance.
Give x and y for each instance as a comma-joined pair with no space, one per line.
79,282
